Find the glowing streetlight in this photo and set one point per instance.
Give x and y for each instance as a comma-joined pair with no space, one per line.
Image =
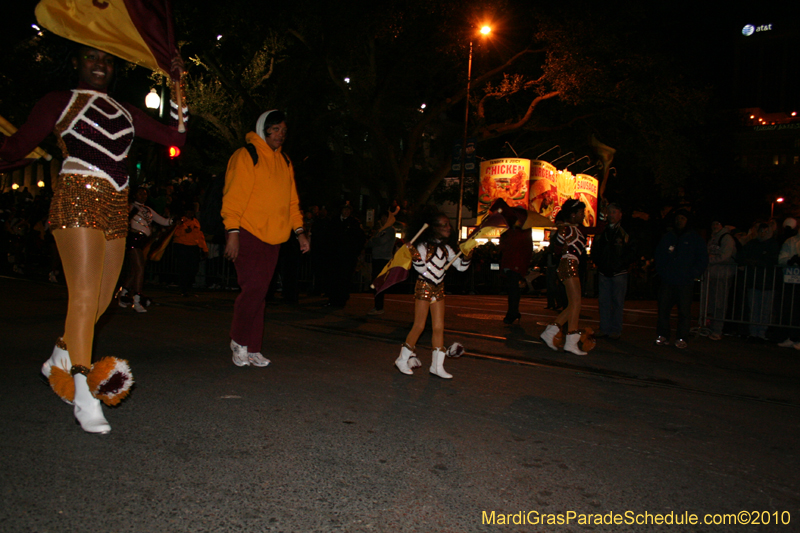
778,200
485,30
152,100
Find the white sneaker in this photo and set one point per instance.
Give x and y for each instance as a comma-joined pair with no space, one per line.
137,304
256,359
240,357
788,343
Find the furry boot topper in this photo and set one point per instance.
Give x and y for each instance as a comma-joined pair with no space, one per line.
110,380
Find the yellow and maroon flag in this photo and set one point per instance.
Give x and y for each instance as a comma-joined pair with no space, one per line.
139,31
395,271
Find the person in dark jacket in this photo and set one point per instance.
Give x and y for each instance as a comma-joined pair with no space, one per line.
681,258
516,247
612,253
347,241
760,256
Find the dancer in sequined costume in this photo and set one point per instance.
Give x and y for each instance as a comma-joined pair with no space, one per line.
431,254
571,239
89,219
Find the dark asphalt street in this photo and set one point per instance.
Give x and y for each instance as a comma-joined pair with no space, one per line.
331,437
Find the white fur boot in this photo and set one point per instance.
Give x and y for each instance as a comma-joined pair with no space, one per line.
549,333
405,362
59,358
571,345
437,364
88,409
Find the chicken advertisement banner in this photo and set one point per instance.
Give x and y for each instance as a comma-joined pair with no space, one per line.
506,179
543,191
586,191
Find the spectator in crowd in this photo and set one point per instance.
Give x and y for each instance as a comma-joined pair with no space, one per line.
516,248
789,256
721,273
612,253
760,257
382,243
260,209
189,244
345,242
681,258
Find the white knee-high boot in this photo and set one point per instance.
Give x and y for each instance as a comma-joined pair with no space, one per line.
406,360
88,409
437,364
549,333
571,344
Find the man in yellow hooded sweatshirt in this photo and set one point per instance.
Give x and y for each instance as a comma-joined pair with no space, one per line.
260,209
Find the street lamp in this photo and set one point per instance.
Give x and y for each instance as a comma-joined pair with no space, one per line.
152,100
772,206
485,30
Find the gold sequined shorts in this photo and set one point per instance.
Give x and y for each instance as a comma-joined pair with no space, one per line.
567,268
89,202
425,290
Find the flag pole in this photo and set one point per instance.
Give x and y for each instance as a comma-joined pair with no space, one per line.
178,98
453,260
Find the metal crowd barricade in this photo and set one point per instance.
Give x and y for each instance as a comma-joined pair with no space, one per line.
750,295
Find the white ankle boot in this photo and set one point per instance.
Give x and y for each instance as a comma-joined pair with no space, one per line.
437,364
59,359
137,304
571,345
549,334
88,409
406,361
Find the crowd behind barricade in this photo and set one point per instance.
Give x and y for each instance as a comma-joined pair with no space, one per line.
746,289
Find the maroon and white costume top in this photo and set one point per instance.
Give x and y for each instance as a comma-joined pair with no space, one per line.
431,266
573,243
95,132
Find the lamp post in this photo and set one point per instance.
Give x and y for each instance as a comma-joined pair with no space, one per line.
485,30
772,206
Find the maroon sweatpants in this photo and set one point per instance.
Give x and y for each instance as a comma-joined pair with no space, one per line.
255,265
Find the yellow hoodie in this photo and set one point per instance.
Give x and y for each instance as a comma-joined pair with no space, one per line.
263,200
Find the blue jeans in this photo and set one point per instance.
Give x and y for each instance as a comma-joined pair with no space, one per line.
611,301
760,303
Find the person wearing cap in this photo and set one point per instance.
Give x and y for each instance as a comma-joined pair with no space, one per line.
721,272
681,258
260,210
612,253
789,256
